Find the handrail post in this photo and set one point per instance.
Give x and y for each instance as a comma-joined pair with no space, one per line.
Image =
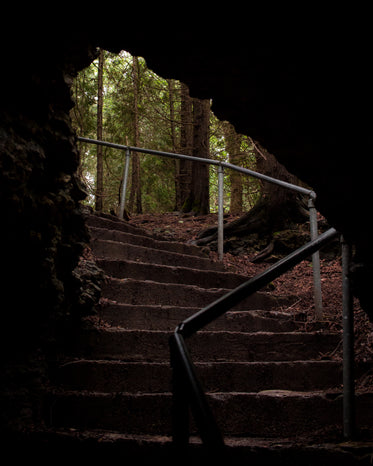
315,259
220,212
348,346
124,183
188,392
180,400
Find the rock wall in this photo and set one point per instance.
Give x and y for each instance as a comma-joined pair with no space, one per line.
42,233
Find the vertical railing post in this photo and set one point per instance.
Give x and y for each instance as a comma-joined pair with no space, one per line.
180,409
315,259
220,212
348,346
180,400
124,183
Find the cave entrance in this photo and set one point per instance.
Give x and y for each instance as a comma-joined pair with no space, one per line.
118,98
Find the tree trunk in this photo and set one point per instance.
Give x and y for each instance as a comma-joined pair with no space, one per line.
287,206
171,94
233,146
278,208
201,148
100,164
184,167
134,204
198,200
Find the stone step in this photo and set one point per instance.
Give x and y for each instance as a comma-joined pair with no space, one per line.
153,346
268,413
148,292
115,250
156,317
146,241
170,274
135,377
104,447
111,223
263,377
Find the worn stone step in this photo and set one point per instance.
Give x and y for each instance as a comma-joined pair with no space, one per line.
269,413
170,274
110,447
140,239
109,222
172,294
116,250
135,377
272,412
157,317
141,345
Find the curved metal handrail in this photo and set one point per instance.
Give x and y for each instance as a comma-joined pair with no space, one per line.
219,163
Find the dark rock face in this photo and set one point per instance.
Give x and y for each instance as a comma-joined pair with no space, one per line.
43,232
298,98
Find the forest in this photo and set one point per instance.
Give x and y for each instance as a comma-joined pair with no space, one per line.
120,100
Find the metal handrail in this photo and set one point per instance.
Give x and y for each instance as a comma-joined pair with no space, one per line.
187,388
175,155
221,165
186,383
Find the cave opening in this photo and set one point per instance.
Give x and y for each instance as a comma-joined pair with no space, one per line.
44,233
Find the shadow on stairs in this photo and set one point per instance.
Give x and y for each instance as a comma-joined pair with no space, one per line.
275,392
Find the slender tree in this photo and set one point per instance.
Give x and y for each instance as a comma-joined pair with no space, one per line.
233,147
184,167
171,99
135,193
171,96
100,162
199,196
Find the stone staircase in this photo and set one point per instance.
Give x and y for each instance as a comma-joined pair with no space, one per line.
275,392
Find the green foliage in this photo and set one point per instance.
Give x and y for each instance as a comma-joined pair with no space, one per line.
155,132
157,180
250,186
